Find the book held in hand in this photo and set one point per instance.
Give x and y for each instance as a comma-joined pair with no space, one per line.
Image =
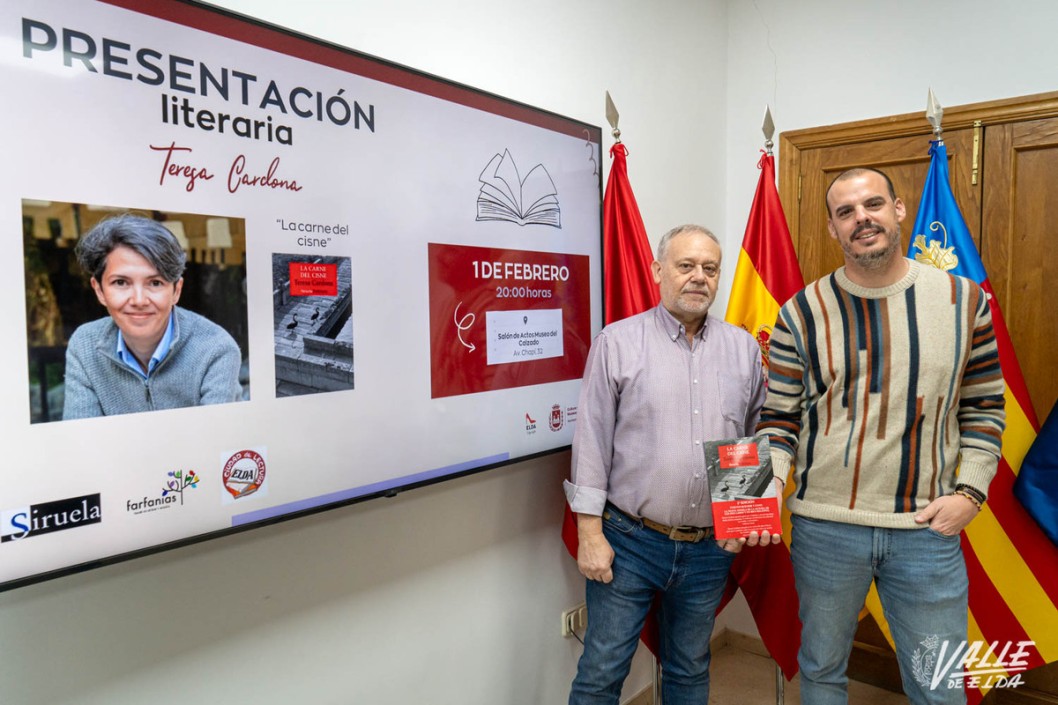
740,482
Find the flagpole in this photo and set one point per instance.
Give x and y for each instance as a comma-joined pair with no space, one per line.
934,113
768,128
612,116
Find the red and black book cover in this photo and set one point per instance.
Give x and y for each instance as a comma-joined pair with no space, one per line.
740,482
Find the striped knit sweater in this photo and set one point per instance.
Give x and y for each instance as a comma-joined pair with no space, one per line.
883,396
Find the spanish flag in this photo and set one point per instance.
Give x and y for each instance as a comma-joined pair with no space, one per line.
1012,565
766,275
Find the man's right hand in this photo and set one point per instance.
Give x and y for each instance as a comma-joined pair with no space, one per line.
594,554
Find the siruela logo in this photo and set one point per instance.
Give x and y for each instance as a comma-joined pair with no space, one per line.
49,517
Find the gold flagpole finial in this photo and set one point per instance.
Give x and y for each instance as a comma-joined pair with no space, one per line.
934,113
768,128
612,117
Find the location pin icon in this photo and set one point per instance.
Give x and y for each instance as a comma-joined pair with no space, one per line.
525,319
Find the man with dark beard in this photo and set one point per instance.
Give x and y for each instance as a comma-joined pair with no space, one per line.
656,387
885,396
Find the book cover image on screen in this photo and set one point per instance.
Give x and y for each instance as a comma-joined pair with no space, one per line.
741,487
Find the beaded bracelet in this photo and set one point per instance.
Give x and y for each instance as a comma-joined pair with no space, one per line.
970,497
973,492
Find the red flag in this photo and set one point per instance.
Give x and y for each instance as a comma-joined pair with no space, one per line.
628,289
766,275
628,284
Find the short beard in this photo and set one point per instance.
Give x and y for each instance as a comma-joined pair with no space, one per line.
877,259
705,308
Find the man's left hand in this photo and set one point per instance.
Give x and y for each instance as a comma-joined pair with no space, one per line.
948,514
766,537
763,539
731,545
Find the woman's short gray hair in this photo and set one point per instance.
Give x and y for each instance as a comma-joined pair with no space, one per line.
147,238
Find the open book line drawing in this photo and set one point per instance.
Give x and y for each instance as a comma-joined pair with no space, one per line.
504,195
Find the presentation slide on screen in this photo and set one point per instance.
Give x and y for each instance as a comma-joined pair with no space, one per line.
263,275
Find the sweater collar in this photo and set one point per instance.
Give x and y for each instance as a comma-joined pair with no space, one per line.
913,271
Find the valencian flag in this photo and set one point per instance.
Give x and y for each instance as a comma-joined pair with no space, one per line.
1037,483
628,289
766,275
1012,565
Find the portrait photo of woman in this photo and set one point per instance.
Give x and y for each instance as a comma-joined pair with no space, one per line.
146,352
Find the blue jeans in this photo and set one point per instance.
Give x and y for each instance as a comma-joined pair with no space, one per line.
690,577
921,578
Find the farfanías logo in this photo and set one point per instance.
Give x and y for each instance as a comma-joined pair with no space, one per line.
172,493
178,482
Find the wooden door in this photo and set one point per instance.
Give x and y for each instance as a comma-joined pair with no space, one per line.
1017,224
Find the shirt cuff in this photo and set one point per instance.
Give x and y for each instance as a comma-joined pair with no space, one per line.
584,500
780,465
977,473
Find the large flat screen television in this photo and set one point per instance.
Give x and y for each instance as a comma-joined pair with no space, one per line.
382,279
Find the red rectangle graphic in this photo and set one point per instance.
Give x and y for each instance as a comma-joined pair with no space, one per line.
502,318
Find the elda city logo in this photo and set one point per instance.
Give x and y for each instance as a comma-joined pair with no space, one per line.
557,418
49,517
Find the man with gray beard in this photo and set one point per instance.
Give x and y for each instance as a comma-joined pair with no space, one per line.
657,386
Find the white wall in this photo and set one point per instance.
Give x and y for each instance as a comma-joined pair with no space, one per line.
821,62
449,594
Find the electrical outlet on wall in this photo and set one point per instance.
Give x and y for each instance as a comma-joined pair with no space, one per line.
575,619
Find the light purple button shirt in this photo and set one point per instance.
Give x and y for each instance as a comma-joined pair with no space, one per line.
648,402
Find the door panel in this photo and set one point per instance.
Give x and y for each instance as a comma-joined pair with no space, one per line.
1019,253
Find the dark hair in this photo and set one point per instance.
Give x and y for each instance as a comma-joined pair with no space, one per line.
858,171
663,244
147,238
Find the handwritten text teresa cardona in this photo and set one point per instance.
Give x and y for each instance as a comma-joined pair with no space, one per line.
177,167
